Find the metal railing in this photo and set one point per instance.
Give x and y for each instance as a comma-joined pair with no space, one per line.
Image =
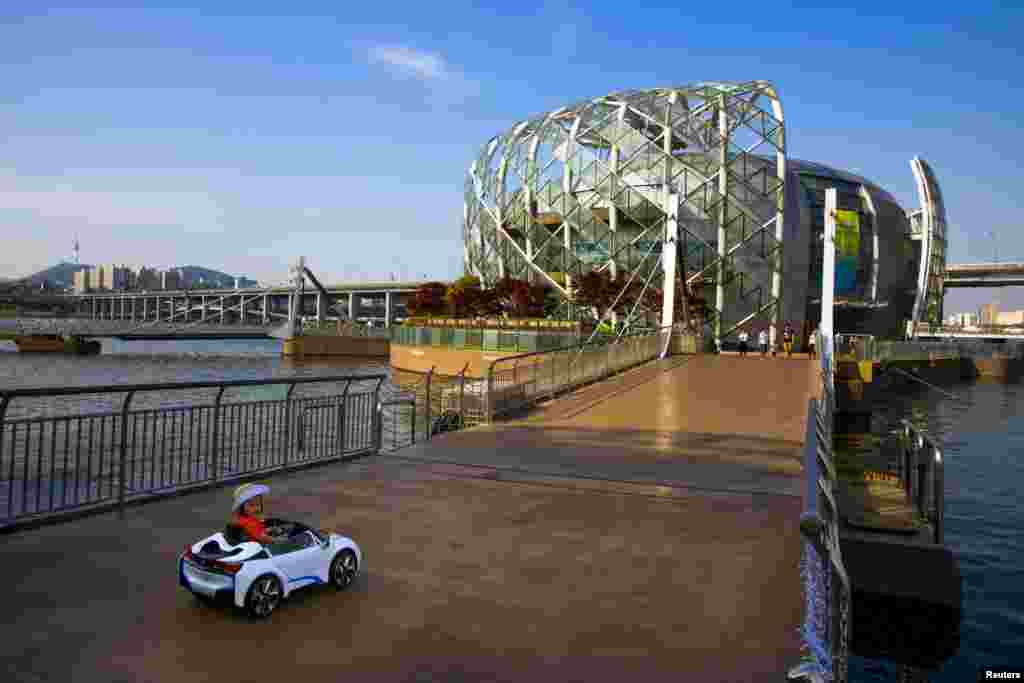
828,616
543,375
484,339
855,346
922,476
163,438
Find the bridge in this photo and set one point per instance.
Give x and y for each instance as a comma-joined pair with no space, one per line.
984,275
199,312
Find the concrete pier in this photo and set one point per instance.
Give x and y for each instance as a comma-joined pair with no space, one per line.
644,527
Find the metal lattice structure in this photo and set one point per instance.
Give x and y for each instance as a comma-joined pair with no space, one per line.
652,185
929,222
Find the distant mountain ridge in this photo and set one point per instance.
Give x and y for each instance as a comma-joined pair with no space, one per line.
62,275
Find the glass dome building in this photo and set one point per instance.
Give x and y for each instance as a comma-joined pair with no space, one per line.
693,184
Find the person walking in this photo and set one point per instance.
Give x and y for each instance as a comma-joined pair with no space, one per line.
812,342
744,338
762,340
787,340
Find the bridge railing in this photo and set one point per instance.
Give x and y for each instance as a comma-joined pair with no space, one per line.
516,382
922,475
828,610
65,450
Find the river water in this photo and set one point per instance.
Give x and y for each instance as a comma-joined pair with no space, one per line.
982,432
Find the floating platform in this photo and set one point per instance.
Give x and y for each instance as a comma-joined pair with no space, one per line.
323,345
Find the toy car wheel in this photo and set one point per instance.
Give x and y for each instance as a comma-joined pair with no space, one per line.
343,569
263,597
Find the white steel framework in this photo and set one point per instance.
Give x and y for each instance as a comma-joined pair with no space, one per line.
651,185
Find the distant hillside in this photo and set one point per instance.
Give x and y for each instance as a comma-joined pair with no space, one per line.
62,275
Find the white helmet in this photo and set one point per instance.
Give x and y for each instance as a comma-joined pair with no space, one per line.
247,492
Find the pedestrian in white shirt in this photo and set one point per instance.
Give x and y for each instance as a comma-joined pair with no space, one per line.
744,338
762,339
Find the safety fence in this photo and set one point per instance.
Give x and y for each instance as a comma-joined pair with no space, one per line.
922,476
488,339
516,382
65,449
828,615
434,403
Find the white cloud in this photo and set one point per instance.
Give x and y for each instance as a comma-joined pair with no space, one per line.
422,65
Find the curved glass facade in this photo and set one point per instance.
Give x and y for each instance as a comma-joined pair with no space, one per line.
693,184
651,185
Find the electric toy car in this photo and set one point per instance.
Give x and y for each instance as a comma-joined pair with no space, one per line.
230,567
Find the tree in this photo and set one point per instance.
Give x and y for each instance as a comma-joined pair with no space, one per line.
461,296
429,299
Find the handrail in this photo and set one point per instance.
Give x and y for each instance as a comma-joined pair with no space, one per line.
921,462
174,386
581,345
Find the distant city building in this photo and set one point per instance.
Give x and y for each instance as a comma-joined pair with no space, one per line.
82,280
1011,318
989,314
170,279
146,278
963,319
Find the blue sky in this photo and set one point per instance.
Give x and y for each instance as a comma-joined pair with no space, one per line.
236,136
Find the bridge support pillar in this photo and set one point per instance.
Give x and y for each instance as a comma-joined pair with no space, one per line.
222,310
321,306
352,308
387,309
266,309
202,308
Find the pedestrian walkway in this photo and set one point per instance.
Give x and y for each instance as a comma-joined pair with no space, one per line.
645,527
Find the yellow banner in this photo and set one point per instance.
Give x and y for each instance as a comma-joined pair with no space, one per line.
847,251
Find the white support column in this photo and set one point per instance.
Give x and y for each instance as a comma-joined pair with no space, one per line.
387,309
266,309
157,309
320,303
723,191
669,259
828,269
352,306
202,307
222,310
145,309
241,309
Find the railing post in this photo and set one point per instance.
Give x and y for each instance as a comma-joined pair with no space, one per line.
608,359
462,395
122,482
430,427
378,423
489,394
342,415
215,436
939,496
554,368
287,422
4,400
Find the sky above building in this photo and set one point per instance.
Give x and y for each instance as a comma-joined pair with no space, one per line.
239,136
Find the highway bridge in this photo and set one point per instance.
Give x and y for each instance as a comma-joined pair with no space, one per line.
378,303
985,275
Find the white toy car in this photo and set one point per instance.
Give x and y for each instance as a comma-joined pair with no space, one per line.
257,577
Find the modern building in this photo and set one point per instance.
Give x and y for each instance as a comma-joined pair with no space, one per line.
81,281
989,314
170,279
1010,318
962,320
694,183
